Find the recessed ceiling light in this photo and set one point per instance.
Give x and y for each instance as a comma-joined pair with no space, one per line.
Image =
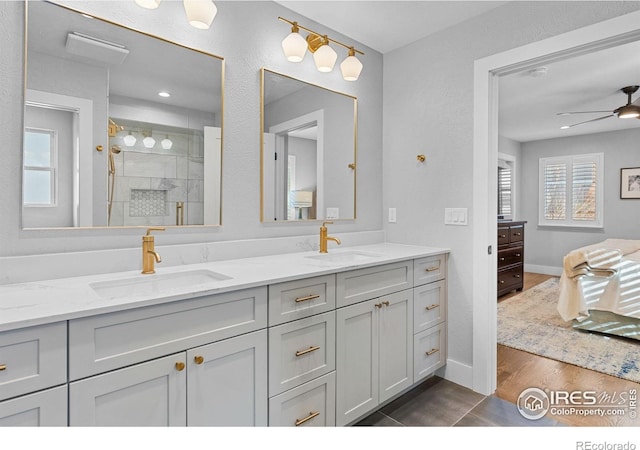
564,127
164,94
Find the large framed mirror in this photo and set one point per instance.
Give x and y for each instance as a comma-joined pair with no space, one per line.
308,151
122,128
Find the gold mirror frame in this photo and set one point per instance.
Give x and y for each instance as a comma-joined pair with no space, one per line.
100,139
302,106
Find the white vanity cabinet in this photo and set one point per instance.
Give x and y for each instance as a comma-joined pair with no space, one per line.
33,374
124,370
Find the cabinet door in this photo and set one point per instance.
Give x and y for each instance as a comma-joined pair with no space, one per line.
395,364
356,361
228,382
43,409
147,394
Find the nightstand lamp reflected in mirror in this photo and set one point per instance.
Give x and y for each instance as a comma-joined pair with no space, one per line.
302,200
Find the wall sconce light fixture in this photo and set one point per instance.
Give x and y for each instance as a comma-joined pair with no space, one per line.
200,13
129,140
295,47
166,143
149,141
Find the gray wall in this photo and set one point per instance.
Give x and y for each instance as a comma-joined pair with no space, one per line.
546,246
514,148
428,108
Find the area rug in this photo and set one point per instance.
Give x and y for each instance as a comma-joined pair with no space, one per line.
529,321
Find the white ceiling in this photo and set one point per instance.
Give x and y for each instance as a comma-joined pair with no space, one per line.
528,105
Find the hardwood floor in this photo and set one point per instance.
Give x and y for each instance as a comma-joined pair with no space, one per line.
519,370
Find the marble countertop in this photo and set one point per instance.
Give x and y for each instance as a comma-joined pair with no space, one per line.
36,303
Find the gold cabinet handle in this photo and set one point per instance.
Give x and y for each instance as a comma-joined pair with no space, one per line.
180,366
385,303
431,269
430,307
307,297
309,350
309,417
3,367
198,359
432,351
378,305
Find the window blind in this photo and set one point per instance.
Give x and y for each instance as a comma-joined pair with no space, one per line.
504,191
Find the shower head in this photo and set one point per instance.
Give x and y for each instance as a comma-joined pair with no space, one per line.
116,149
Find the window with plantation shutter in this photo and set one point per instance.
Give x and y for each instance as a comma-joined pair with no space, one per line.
505,191
571,191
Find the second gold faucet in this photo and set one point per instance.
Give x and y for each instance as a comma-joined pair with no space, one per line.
324,238
149,254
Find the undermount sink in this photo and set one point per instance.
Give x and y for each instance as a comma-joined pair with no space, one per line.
345,256
155,283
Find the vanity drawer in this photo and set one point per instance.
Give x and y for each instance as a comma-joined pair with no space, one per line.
429,351
429,305
301,351
109,341
46,408
516,234
364,284
312,404
429,269
32,359
296,299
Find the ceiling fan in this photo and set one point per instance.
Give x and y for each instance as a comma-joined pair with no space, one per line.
628,111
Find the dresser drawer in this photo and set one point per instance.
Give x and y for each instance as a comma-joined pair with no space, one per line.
301,298
301,351
32,359
312,404
364,284
516,234
429,305
429,269
510,278
429,351
503,235
109,341
510,256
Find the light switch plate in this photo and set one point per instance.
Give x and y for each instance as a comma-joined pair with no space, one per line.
455,216
392,215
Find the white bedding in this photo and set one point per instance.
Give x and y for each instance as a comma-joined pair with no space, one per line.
604,277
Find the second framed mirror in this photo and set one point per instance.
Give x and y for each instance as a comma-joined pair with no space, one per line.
308,151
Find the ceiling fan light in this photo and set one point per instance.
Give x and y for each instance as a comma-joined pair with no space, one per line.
148,4
629,112
325,58
200,13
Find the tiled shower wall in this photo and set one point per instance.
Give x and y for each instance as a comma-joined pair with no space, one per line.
150,182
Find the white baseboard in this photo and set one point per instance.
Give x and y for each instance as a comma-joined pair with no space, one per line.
458,373
546,270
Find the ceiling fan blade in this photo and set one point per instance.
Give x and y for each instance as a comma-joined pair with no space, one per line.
579,112
587,121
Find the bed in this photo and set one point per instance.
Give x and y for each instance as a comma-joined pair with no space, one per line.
600,288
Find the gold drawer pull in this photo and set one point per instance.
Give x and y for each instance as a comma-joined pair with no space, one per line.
378,305
309,417
180,366
431,269
430,307
3,367
385,303
432,351
308,297
198,359
309,350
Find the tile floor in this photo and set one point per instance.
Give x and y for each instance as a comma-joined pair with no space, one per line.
440,403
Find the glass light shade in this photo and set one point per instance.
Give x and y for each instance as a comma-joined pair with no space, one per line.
295,47
166,143
351,68
149,142
629,112
149,4
129,140
325,58
200,13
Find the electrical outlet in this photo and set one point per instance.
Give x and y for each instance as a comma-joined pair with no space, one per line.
392,215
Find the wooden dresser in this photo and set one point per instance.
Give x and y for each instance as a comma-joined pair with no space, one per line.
510,256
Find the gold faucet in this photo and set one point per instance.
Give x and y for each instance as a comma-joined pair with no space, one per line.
149,254
324,238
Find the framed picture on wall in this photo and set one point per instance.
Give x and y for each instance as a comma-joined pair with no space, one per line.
630,182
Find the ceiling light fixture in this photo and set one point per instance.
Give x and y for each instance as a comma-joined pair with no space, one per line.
164,94
295,46
200,13
629,112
